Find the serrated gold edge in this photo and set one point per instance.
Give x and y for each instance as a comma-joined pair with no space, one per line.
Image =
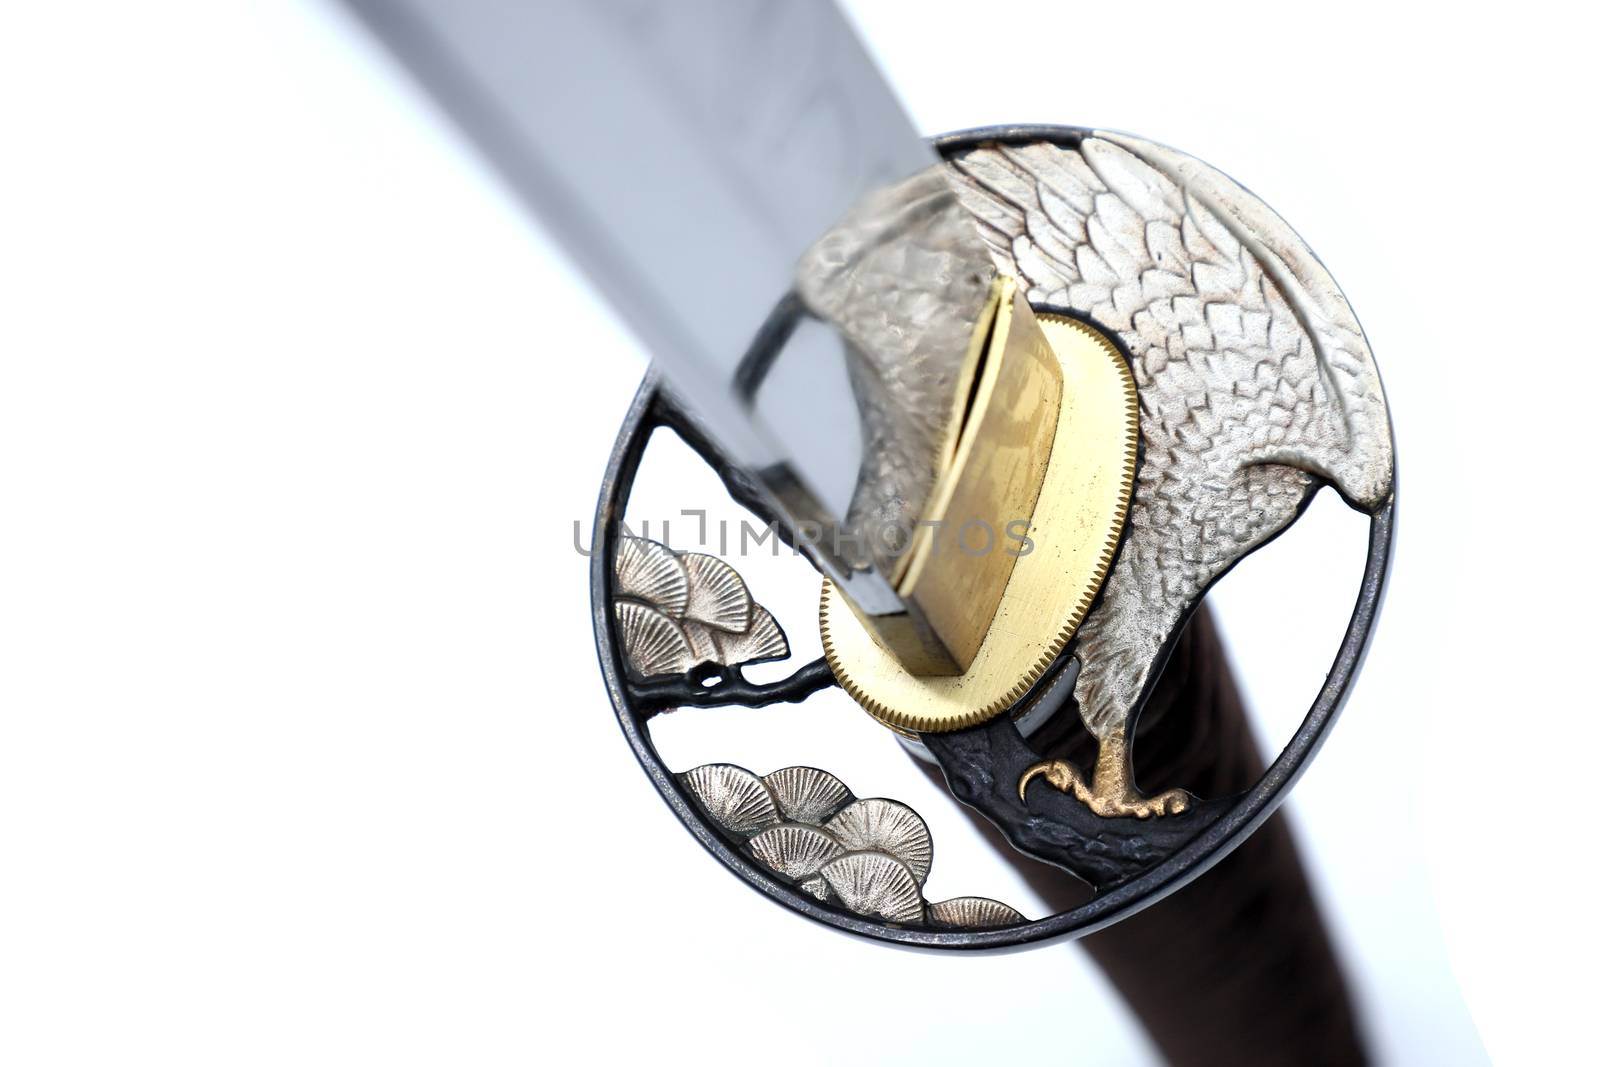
903,721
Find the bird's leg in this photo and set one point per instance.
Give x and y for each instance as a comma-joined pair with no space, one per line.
1111,793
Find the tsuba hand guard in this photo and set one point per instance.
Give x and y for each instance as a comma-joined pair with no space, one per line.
1256,388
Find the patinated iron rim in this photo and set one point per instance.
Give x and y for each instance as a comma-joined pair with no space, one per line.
1251,809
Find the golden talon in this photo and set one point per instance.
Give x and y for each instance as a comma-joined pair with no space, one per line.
1111,794
1062,775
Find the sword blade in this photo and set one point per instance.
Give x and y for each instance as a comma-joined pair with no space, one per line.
689,156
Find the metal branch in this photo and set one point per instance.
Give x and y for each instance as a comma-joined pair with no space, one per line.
652,698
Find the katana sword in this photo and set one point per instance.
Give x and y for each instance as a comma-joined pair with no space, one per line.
876,344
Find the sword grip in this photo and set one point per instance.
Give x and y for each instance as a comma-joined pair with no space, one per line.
1236,968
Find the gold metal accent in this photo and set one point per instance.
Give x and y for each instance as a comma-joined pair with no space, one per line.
1077,523
994,467
1111,794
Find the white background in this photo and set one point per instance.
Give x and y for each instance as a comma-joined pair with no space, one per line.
297,411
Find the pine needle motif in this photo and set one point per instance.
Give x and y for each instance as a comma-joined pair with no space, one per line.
677,611
869,857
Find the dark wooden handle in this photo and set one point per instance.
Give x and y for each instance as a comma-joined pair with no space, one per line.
1236,968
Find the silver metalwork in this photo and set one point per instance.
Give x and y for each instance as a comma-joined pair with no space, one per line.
870,857
733,797
688,156
903,279
794,850
807,795
878,825
677,611
874,884
1255,381
973,913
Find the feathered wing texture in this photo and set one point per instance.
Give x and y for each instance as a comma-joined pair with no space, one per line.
897,279
1253,375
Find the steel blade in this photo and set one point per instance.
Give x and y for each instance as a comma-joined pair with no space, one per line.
689,156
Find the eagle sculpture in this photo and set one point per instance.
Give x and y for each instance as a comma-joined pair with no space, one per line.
1256,387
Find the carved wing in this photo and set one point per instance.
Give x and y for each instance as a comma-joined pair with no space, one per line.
1254,377
904,279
